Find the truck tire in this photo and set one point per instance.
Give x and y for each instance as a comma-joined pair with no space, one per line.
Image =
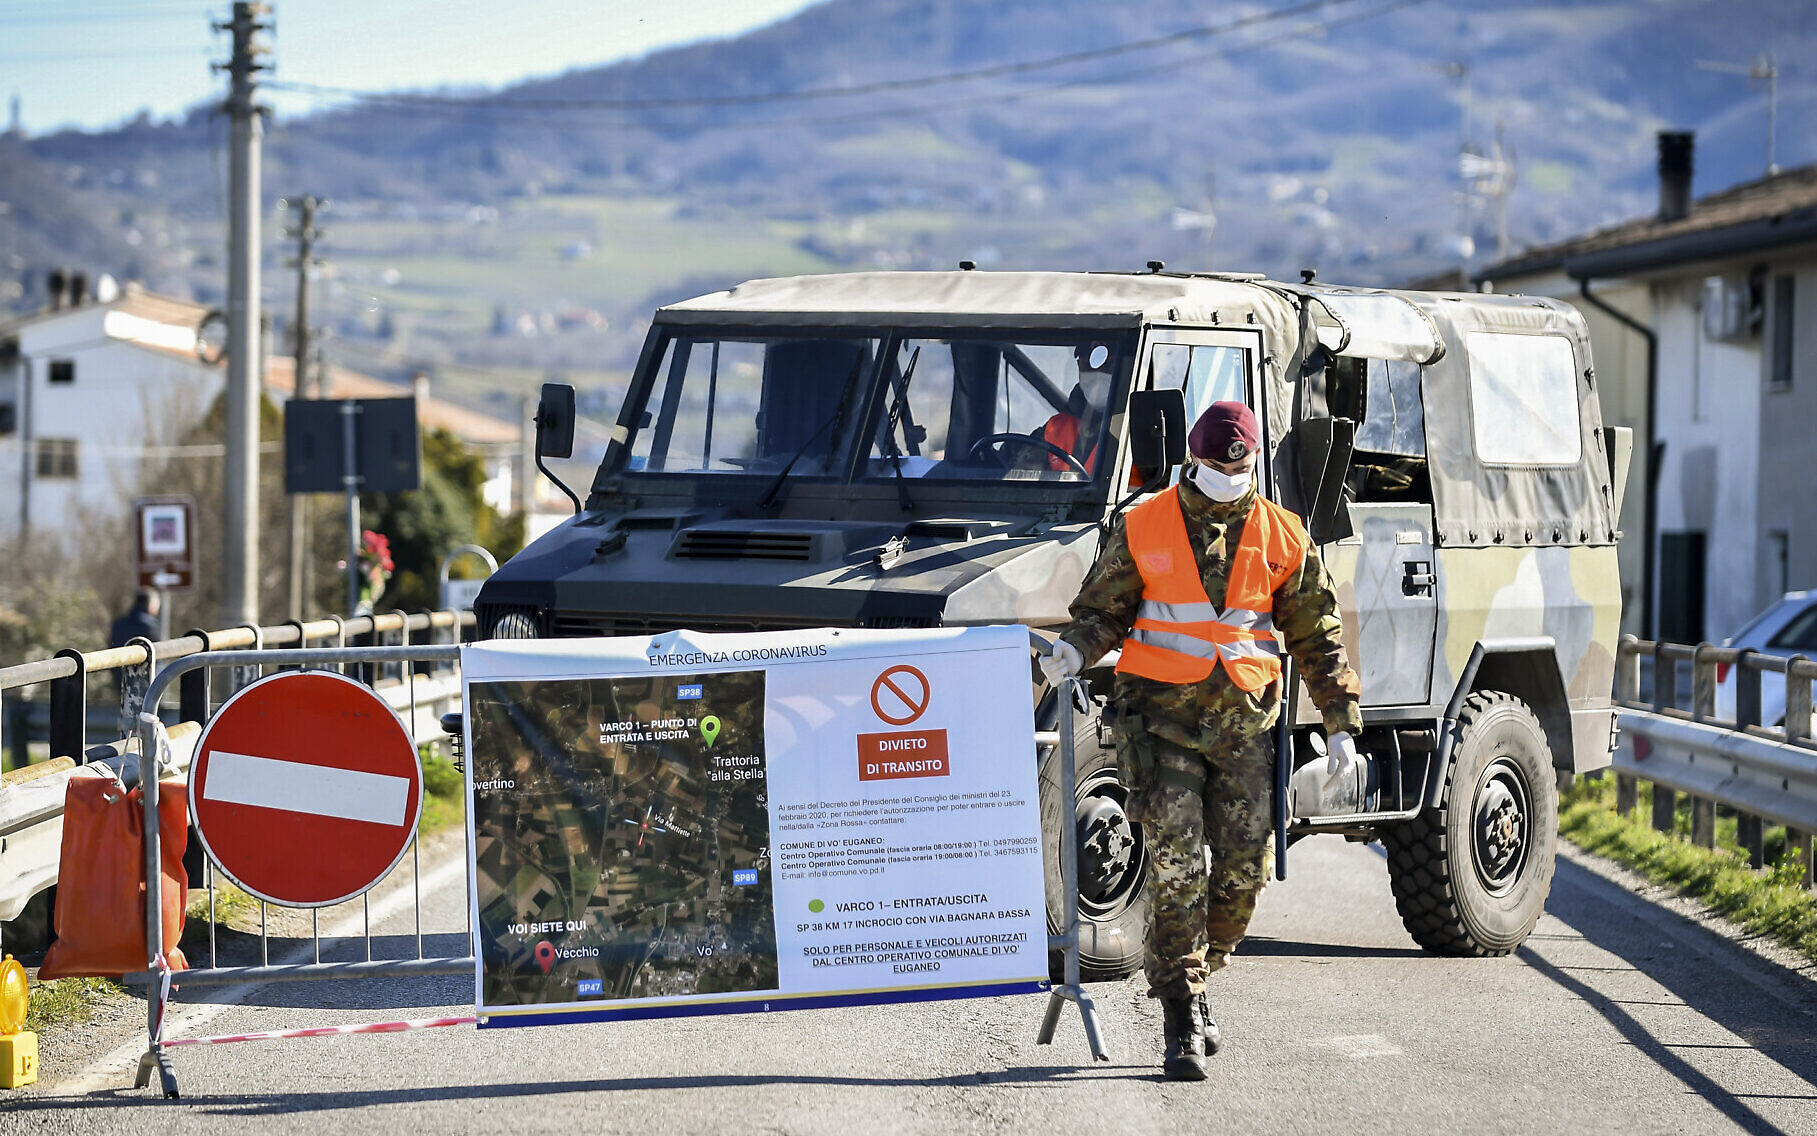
1113,859
1472,875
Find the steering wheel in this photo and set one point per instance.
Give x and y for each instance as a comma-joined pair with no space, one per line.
989,440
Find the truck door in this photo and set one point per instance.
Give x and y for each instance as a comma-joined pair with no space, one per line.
1387,572
1210,366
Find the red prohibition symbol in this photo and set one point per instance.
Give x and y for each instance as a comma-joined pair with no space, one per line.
900,695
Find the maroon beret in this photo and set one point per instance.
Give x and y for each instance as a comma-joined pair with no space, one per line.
1226,432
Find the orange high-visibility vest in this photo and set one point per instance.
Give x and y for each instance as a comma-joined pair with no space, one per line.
1180,635
1063,430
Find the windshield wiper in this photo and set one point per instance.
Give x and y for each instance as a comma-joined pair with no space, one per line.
897,410
775,487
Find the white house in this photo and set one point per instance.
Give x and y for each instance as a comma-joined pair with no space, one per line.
90,392
87,394
1701,325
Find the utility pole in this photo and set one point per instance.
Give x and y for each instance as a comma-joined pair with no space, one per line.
305,233
240,525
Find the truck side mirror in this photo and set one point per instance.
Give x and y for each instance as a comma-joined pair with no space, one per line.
1326,445
1618,447
555,421
1157,429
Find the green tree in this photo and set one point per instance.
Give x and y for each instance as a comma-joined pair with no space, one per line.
423,525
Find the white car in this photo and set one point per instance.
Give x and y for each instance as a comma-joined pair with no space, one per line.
1787,628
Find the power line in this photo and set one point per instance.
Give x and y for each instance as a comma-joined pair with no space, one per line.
1206,31
83,56
110,16
463,109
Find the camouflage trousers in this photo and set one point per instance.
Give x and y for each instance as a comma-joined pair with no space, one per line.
1208,822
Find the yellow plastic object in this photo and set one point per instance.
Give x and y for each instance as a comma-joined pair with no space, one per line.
18,1059
15,995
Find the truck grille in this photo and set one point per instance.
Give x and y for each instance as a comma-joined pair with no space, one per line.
587,624
574,625
739,544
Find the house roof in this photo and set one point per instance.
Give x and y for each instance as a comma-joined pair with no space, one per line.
132,301
1773,211
469,426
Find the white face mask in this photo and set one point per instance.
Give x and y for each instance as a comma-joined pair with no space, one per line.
1096,385
1224,487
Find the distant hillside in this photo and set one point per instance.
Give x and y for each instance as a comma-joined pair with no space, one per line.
536,227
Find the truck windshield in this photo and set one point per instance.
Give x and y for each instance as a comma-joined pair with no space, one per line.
752,404
988,409
959,405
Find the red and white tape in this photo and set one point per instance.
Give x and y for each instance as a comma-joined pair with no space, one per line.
322,1031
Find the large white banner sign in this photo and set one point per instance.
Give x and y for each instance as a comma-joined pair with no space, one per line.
691,823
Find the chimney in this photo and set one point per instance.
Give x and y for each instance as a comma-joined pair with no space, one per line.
56,282
419,386
1674,174
78,289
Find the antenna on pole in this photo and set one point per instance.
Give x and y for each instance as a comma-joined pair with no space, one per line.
1763,67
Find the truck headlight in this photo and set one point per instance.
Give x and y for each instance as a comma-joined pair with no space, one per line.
515,625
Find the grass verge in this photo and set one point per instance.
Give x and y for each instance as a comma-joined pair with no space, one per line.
1768,901
68,1000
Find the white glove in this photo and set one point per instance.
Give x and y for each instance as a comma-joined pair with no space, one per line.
1062,661
1340,756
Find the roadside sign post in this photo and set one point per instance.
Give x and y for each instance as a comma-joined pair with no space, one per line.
164,549
352,446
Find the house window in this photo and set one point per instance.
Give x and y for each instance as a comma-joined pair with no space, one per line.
9,419
56,457
62,370
1784,327
1779,561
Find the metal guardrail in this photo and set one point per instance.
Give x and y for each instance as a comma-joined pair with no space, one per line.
31,799
67,672
1767,774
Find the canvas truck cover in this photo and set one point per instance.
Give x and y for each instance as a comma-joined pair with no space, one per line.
1480,501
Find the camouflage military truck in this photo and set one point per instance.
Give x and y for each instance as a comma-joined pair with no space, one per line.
921,449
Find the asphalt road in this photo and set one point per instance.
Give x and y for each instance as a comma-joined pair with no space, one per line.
1617,1016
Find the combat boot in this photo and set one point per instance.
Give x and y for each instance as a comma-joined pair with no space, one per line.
1214,1039
1184,1058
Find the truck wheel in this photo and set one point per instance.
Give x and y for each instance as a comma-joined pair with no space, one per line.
1471,876
1113,860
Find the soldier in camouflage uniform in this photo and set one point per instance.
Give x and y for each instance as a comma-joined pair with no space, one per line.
1197,756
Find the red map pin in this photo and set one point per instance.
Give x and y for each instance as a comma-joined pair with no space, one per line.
545,955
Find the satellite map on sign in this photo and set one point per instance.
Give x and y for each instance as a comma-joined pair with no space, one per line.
622,838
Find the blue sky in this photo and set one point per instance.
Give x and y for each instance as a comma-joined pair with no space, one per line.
93,63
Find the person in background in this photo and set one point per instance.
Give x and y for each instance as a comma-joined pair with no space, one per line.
140,620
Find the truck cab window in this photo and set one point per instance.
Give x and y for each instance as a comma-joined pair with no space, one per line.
1383,396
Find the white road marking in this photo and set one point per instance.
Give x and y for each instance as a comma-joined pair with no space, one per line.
106,1071
1363,1045
321,790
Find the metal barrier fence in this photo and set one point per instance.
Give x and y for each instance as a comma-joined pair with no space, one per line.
1765,773
157,977
31,802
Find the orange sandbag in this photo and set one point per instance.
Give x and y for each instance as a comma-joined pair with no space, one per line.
100,917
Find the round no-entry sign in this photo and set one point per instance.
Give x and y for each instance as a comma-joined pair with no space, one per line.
305,788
